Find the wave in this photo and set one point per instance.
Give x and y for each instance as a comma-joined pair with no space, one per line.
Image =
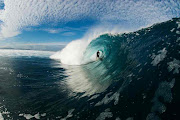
139,68
112,44
135,65
74,52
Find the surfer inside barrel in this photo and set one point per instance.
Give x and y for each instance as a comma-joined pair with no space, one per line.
98,54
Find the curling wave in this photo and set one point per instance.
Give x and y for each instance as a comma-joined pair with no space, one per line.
116,47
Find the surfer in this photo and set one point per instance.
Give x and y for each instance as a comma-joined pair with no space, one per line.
98,54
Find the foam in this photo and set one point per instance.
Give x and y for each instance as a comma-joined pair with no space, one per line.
130,118
174,65
1,117
117,118
164,91
160,57
4,113
29,116
104,115
69,114
178,32
94,97
26,53
178,25
108,99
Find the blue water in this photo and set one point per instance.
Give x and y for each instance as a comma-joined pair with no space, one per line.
138,78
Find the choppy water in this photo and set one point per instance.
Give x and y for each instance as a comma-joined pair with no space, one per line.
137,79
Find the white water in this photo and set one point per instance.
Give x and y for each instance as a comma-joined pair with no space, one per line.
1,117
72,54
25,53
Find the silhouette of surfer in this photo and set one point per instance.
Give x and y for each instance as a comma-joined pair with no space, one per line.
98,54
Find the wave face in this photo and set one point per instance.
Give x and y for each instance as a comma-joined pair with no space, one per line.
139,70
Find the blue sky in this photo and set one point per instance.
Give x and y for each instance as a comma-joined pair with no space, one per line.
61,21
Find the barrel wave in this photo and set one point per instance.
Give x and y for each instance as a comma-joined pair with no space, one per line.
139,69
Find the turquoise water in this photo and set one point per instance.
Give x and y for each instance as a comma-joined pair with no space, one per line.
138,78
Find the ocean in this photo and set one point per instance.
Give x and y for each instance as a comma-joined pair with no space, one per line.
137,79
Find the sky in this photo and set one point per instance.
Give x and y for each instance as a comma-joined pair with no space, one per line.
57,22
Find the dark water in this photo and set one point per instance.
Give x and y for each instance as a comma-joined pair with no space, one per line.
137,79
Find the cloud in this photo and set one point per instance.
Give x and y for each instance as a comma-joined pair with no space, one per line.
49,30
20,14
69,34
66,31
49,44
53,31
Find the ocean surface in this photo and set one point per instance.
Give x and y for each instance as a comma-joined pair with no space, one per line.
137,79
